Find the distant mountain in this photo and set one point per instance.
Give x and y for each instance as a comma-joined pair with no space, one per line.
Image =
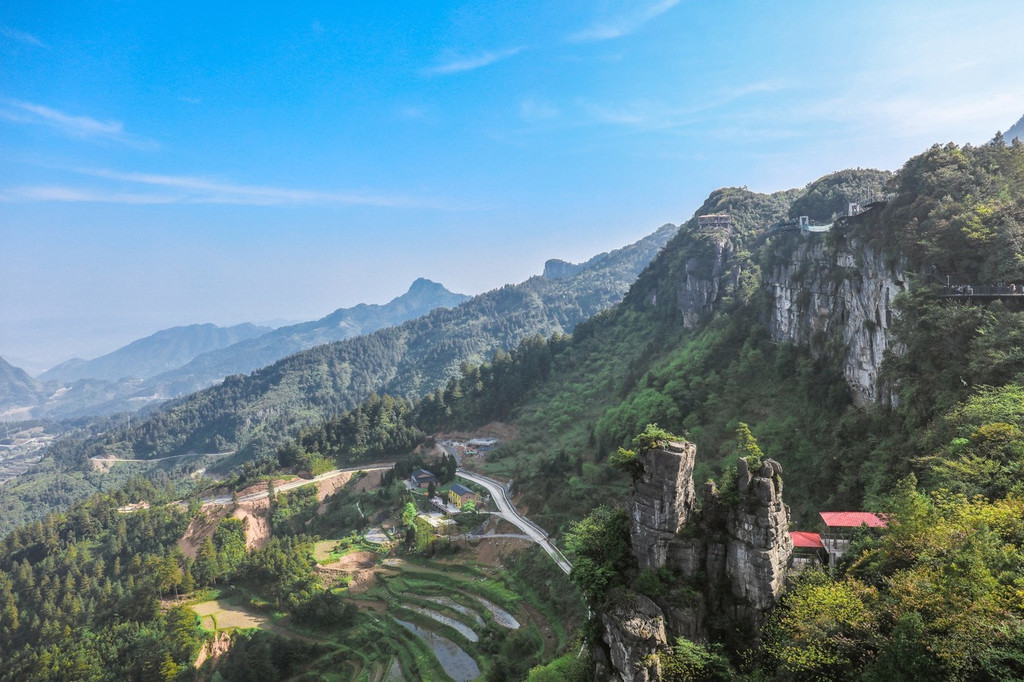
256,412
121,389
1016,130
17,388
251,354
157,353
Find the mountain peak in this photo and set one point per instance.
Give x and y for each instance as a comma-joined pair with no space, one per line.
1016,130
422,284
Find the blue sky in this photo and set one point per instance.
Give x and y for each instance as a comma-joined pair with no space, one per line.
198,162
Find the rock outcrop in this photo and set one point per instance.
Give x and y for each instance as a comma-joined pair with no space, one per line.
844,295
828,299
728,558
634,632
663,500
705,276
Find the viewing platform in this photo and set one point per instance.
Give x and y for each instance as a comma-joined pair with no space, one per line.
982,291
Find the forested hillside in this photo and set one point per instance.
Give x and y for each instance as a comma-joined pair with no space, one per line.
256,413
690,349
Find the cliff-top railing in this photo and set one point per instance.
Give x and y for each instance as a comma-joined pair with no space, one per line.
982,291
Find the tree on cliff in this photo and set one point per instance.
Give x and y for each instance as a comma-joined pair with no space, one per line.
599,545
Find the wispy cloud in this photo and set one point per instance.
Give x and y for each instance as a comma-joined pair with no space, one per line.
21,36
84,127
535,110
463,63
656,114
79,195
153,188
624,24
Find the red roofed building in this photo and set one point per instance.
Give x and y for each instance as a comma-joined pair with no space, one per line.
850,519
808,550
839,530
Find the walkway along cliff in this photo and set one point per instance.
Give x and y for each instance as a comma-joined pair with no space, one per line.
727,558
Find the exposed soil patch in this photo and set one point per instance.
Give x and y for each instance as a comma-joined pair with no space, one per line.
489,551
257,527
370,481
214,649
227,616
329,486
360,566
499,430
201,528
261,487
371,604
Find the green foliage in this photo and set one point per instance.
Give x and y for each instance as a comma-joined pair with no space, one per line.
747,448
688,661
982,451
828,197
653,436
821,626
567,668
600,550
937,595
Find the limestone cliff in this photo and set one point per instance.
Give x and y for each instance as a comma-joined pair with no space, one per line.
727,559
840,296
706,276
828,297
634,631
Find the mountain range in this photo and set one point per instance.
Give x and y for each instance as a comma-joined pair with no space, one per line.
256,412
152,355
177,361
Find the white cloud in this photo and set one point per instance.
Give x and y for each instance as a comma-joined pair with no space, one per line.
21,37
84,127
79,195
622,25
184,189
657,114
459,64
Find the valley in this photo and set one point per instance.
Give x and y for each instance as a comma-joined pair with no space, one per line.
539,511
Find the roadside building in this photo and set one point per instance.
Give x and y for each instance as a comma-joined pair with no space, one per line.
460,495
808,551
422,478
839,529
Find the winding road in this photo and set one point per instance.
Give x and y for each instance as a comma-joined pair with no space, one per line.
299,482
506,509
509,513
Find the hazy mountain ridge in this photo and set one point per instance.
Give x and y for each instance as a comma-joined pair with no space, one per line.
244,357
198,356
410,359
17,387
1015,131
154,354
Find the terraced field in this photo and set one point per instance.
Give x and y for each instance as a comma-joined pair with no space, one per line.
426,621
416,620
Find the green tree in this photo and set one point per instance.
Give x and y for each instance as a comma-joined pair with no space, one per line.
600,548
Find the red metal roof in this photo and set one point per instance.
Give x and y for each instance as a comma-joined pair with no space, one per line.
850,519
805,539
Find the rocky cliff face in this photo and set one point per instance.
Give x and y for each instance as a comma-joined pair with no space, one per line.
634,631
836,300
705,277
844,295
728,559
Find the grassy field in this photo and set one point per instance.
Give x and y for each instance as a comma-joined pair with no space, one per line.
428,620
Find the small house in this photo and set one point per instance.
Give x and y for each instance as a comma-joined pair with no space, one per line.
808,550
460,495
422,479
839,528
